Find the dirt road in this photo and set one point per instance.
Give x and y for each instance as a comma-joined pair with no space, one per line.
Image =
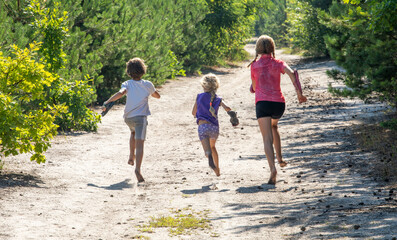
86,190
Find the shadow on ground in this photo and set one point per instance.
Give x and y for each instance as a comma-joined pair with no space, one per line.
117,186
204,189
10,180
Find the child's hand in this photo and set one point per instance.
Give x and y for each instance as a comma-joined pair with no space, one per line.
107,107
252,89
233,118
302,98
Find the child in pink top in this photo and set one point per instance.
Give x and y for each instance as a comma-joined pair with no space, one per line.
269,101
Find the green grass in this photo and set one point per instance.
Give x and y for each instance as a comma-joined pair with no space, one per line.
293,51
146,229
140,237
180,222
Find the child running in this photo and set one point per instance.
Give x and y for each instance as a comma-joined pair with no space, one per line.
205,109
136,109
269,101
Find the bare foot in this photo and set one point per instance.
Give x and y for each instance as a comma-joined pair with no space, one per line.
282,163
217,172
272,179
139,176
131,161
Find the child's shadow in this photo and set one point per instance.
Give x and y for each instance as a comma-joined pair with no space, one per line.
204,189
116,186
251,157
255,189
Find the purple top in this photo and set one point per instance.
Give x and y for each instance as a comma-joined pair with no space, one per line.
203,107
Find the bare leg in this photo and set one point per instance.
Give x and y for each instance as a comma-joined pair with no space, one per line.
266,130
132,149
277,143
215,157
139,156
207,150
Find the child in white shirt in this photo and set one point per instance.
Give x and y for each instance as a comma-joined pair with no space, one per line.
136,109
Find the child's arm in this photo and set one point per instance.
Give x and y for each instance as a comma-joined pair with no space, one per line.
253,82
232,114
156,94
291,75
194,111
227,109
253,86
116,96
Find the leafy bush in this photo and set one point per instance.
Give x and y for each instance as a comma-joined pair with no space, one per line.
50,26
304,28
391,124
271,17
27,119
230,25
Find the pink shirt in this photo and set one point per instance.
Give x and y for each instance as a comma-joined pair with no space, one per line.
266,74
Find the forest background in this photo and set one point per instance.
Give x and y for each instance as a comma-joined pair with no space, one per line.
58,58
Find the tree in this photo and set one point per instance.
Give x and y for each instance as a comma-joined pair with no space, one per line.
364,43
51,29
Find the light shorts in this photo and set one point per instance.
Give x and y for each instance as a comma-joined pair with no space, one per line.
137,125
208,131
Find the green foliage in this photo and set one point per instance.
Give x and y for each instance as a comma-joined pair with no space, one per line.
365,47
51,28
230,24
304,28
75,95
96,38
391,124
105,35
34,100
14,29
27,121
271,17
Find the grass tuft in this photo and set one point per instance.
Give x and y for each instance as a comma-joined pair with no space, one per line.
181,222
140,237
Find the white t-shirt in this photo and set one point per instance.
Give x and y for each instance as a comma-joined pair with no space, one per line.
138,93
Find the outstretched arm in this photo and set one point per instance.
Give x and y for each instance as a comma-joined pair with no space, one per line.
156,94
227,109
291,75
116,96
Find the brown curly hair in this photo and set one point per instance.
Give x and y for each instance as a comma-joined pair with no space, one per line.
264,45
135,68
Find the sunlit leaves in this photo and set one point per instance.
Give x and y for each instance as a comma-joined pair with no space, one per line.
26,124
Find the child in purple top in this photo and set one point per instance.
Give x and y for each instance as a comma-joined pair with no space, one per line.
205,109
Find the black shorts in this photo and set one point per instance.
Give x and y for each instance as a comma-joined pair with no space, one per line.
274,110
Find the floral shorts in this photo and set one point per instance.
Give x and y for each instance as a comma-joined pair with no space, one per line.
208,131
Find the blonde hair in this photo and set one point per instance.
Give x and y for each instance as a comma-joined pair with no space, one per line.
210,83
264,45
135,68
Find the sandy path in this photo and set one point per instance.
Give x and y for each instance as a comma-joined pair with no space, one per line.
86,190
